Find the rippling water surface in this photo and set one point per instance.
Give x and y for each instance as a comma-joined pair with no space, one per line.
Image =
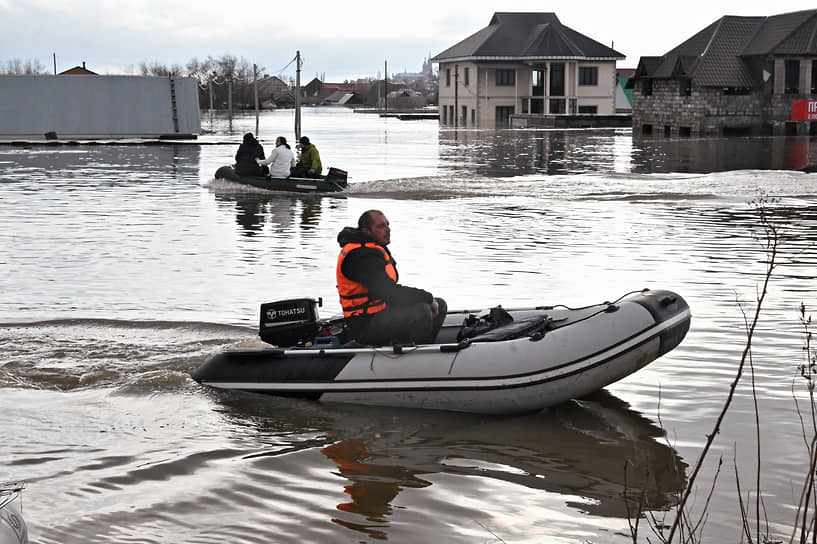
122,267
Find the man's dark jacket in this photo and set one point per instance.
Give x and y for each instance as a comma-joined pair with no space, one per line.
367,266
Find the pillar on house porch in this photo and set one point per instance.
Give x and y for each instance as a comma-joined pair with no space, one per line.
805,76
779,76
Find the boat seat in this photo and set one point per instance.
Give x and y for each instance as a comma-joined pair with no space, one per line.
534,326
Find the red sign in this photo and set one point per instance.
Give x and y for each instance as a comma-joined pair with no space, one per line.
804,110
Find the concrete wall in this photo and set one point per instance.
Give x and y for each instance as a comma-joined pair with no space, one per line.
85,106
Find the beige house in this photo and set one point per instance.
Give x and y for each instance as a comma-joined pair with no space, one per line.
528,64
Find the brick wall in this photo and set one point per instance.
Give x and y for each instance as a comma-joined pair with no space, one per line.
707,111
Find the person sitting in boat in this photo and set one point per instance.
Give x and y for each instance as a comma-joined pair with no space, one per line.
245,157
309,163
280,160
378,310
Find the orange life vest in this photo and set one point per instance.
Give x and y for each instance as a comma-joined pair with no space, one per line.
354,296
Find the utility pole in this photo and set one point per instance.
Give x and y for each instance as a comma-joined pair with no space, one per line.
255,94
297,96
55,63
230,100
210,84
386,85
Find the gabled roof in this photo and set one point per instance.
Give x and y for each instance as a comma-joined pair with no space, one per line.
346,87
717,55
526,36
785,34
78,71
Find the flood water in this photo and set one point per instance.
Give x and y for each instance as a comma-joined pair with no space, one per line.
122,267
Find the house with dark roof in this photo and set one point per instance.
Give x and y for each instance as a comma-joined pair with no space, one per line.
739,75
274,92
78,71
525,63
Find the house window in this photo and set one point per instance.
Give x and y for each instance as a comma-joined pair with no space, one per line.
464,115
588,75
448,77
792,77
646,87
473,117
505,78
467,77
588,109
558,105
685,86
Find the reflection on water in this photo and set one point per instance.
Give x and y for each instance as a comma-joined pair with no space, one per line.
108,165
503,153
593,452
254,210
373,487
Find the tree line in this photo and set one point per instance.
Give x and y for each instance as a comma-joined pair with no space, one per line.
230,80
223,72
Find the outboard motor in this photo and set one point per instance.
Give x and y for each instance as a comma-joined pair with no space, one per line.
288,323
338,176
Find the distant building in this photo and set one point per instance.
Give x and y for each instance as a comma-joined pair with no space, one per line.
343,98
274,92
624,96
526,63
317,91
423,80
310,93
739,75
78,71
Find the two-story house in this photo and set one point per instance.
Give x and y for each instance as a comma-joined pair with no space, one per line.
525,63
739,75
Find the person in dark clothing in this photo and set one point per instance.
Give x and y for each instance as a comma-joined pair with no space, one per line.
378,310
248,151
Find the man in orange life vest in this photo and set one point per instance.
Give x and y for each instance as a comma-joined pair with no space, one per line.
378,310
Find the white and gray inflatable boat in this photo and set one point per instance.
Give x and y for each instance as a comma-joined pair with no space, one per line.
496,361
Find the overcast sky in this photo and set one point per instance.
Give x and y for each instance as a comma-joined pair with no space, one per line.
341,40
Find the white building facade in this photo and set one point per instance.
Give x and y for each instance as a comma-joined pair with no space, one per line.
525,63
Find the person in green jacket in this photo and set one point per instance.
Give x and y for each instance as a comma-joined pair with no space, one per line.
309,164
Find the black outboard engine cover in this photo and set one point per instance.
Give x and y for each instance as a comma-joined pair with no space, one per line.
287,323
338,176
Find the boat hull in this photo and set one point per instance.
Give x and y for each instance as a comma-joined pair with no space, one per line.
583,351
13,529
326,184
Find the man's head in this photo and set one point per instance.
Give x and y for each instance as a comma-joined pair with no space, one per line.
375,225
304,141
